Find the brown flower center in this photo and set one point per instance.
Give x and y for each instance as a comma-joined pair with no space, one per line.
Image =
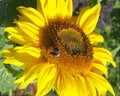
66,45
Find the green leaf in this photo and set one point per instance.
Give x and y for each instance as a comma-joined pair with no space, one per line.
1,30
117,4
115,51
2,41
6,79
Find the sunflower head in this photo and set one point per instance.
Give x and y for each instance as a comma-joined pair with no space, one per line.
66,42
59,51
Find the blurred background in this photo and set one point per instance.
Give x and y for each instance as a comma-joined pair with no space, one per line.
108,26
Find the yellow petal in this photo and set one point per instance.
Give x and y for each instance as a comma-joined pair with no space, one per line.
33,15
51,9
29,49
27,77
23,19
66,85
10,58
101,84
25,33
19,80
47,76
31,74
103,56
70,7
95,38
80,81
62,9
15,36
88,18
103,50
30,30
21,55
41,8
101,68
90,86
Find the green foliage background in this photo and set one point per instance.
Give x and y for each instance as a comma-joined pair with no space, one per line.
9,73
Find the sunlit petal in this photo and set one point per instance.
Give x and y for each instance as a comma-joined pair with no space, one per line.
88,18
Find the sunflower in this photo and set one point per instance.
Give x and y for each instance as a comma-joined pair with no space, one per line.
58,50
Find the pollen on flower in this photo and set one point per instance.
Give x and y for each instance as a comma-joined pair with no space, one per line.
67,46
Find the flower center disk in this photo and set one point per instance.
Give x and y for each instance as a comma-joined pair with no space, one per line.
72,41
67,46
